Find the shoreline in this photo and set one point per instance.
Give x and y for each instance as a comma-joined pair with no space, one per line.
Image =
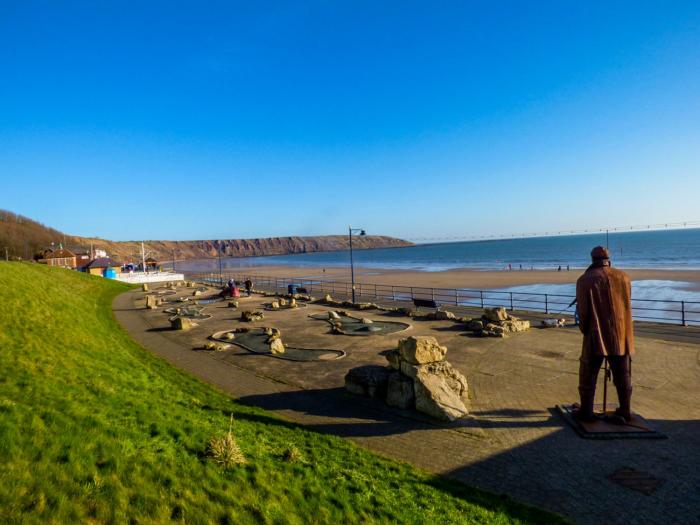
454,278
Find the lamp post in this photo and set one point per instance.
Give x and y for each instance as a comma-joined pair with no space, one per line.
352,265
221,278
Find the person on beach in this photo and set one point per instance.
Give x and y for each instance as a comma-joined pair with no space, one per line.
603,297
248,286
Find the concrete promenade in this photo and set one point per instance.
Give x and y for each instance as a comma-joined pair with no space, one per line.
513,443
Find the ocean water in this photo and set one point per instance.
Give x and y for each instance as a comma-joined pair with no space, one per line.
668,249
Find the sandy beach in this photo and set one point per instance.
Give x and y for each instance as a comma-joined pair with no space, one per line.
459,278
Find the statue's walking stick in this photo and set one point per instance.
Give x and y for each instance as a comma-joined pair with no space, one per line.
606,378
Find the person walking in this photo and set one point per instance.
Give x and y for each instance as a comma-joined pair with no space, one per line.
248,286
603,297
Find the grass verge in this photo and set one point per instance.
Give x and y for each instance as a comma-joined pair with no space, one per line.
95,429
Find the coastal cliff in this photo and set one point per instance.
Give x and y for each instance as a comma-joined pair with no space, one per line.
24,237
166,250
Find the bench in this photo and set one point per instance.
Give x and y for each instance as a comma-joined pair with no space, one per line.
426,303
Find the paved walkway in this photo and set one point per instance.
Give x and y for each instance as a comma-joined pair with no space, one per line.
514,443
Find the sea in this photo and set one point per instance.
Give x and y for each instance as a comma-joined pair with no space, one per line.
658,249
664,249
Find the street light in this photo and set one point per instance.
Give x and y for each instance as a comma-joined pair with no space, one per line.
221,278
361,232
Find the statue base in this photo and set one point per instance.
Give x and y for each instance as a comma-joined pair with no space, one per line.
605,427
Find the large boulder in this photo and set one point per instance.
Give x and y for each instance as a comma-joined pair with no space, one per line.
420,350
444,370
368,380
496,314
181,323
399,391
436,398
394,359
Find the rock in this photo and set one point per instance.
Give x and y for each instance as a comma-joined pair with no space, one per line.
435,397
364,320
277,346
496,314
333,315
493,330
421,349
400,391
293,303
144,287
327,298
442,315
515,325
251,317
233,304
275,305
282,302
210,346
394,359
196,293
151,303
444,369
230,336
368,380
181,323
475,325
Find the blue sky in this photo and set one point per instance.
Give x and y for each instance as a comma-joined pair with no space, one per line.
174,120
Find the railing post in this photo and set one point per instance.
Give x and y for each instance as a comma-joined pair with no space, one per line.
432,293
481,295
546,304
511,301
683,313
411,293
375,291
393,293
456,297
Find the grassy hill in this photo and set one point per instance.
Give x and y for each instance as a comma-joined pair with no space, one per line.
95,429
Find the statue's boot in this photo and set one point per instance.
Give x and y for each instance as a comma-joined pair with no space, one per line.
584,412
622,378
624,395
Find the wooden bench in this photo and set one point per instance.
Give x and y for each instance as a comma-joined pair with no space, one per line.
426,303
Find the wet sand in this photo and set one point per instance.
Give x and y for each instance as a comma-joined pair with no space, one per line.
459,278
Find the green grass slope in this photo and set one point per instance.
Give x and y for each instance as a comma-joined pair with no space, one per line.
95,429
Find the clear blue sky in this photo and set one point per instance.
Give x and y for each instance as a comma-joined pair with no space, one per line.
131,120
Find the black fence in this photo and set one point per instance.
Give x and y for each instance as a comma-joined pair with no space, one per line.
663,311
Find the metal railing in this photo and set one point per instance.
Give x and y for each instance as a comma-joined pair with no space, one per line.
684,313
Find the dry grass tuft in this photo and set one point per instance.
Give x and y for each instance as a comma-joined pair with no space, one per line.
292,455
224,450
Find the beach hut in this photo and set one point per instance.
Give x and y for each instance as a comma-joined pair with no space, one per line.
100,265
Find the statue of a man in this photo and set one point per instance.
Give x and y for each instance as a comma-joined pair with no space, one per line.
603,295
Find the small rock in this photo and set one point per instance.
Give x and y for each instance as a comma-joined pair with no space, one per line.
333,315
277,346
281,302
144,287
475,325
233,304
181,323
365,320
275,305
230,336
196,293
251,317
151,302
496,314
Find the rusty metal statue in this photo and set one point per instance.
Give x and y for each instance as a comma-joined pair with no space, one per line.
603,295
